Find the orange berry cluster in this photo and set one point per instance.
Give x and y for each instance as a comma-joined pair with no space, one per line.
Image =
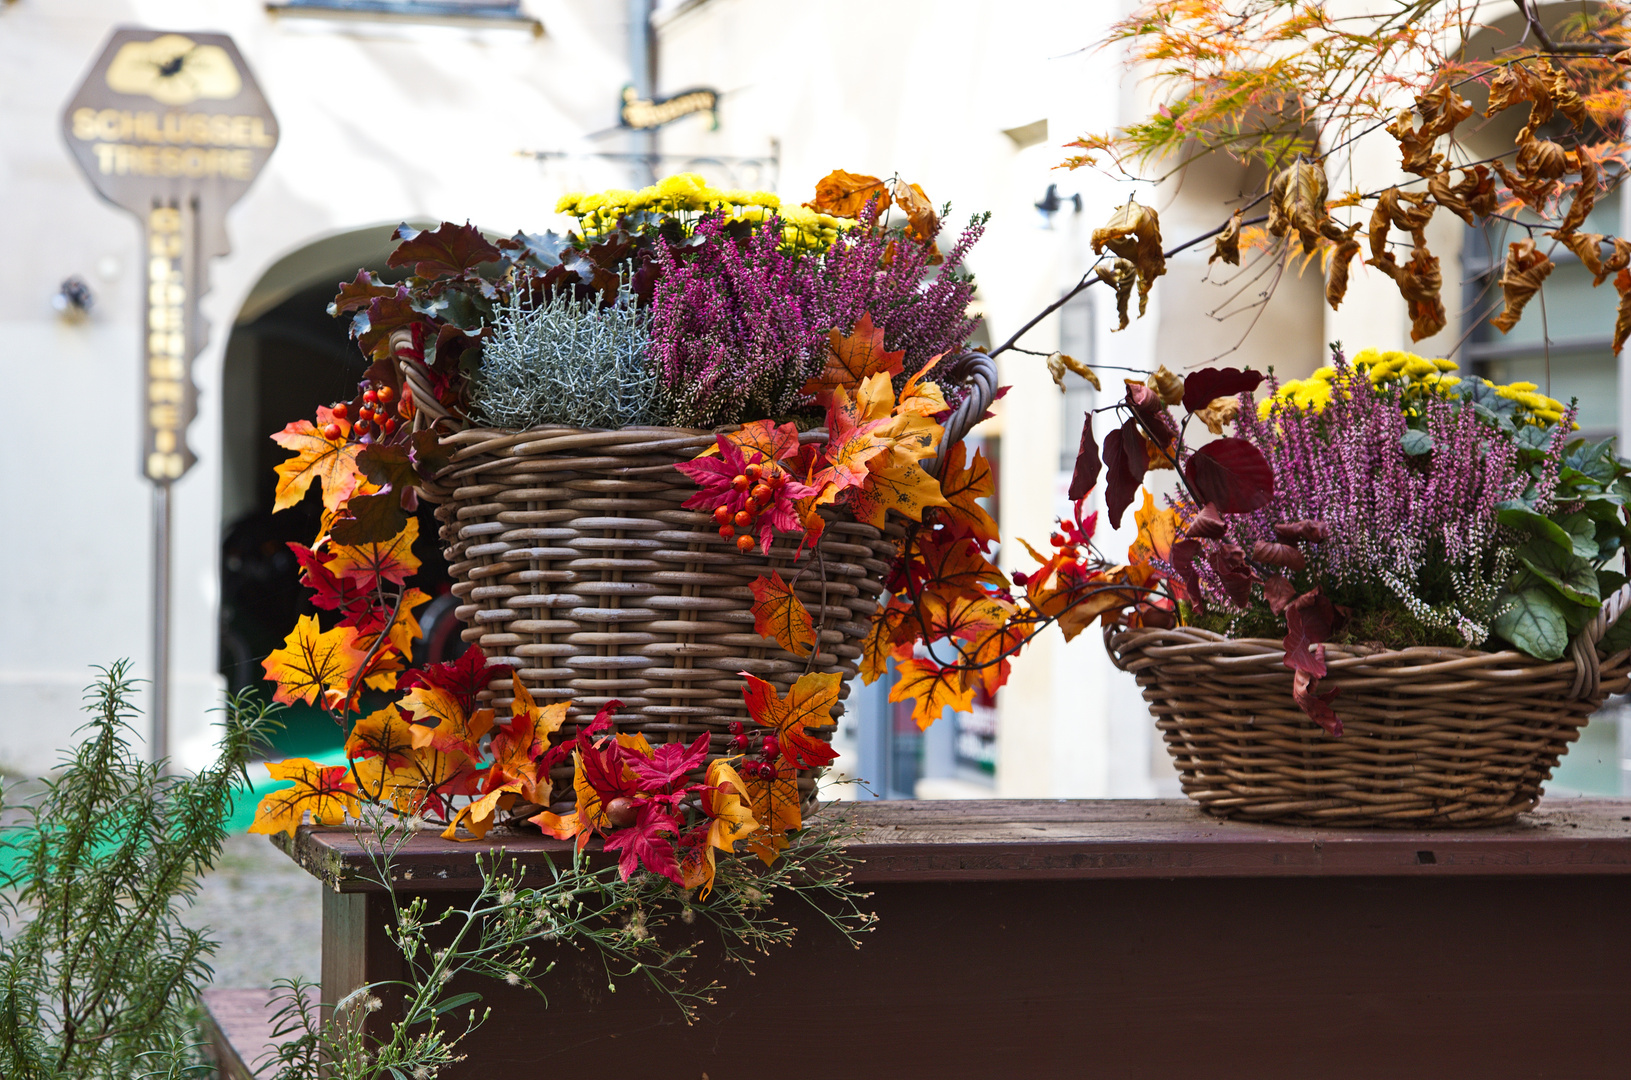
761,492
375,415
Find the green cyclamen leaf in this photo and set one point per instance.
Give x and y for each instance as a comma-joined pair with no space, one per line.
1542,528
1568,573
1416,443
1533,621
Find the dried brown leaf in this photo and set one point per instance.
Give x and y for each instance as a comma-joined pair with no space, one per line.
1168,385
1297,201
1516,84
1221,411
1622,317
1565,97
1420,283
1227,245
1059,363
1526,269
1133,233
1336,287
1410,211
1120,275
1584,198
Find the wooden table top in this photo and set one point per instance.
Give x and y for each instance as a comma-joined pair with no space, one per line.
1034,839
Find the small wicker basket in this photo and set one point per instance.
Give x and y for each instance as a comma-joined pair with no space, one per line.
577,564
1434,737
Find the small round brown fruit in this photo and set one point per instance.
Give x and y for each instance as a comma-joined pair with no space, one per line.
621,812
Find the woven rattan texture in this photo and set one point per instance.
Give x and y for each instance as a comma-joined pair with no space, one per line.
576,563
1451,737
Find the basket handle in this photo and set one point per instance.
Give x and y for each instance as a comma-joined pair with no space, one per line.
978,372
427,410
1583,649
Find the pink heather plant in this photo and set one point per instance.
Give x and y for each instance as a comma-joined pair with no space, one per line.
739,325
1424,527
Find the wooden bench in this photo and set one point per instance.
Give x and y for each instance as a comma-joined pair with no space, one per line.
1119,938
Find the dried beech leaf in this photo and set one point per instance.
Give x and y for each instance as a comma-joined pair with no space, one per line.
1221,411
1059,363
1518,84
1337,286
1227,245
1441,110
1420,283
1541,158
1566,98
1471,197
1526,268
1584,198
1168,385
1297,201
1622,318
1133,233
1410,211
1120,275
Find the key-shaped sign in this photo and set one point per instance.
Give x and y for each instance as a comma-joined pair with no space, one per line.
173,128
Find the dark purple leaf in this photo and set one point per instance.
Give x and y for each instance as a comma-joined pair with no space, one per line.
1231,473
1125,465
1310,621
1278,592
1206,525
1317,706
1152,412
1302,531
369,519
1184,554
1088,465
1203,387
1272,554
357,294
1234,573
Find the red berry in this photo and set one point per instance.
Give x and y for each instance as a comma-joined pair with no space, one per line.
339,411
331,432
386,394
744,543
369,396
389,425
365,414
363,427
722,515
761,492
1056,540
740,744
621,811
1021,577
741,483
772,748
753,472
743,518
737,727
727,531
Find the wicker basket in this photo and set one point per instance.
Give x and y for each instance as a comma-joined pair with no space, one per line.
577,565
1435,737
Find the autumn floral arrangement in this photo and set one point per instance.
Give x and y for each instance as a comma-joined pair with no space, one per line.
811,340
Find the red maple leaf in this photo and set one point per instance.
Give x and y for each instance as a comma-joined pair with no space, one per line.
350,596
464,678
669,764
649,842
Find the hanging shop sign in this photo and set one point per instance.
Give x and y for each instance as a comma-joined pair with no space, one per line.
173,128
644,115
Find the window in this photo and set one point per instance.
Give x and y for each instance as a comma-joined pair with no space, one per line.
1563,342
1076,339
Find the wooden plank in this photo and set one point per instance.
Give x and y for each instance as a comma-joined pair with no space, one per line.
1018,840
238,1029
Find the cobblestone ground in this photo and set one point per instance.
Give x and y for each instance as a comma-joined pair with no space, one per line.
264,910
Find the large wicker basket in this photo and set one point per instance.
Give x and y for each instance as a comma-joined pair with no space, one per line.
578,566
1434,737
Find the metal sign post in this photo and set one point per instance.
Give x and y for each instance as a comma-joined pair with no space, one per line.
173,128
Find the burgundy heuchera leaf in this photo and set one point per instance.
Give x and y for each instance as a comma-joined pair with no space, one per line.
1311,619
1231,473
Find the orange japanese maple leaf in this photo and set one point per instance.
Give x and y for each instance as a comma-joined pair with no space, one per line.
962,486
391,560
934,688
775,803
778,613
845,194
327,791
852,357
333,462
312,661
808,703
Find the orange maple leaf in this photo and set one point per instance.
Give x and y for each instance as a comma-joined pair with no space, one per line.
775,804
934,688
390,560
852,357
852,443
845,194
1157,531
778,613
333,462
963,487
313,660
903,488
809,703
327,791
730,819
880,639
517,746
953,566
384,734
452,730
775,442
